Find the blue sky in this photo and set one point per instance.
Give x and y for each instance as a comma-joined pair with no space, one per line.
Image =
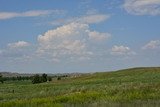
59,36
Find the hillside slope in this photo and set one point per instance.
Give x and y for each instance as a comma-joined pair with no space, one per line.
133,87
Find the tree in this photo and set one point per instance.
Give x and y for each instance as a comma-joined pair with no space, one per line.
19,78
59,78
44,77
49,78
1,78
36,79
13,78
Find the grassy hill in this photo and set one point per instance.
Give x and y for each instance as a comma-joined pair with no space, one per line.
138,87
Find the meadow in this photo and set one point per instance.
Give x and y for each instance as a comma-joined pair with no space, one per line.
136,87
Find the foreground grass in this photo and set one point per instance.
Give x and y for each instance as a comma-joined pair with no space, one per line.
133,87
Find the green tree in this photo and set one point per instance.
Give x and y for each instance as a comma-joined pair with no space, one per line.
36,79
59,78
44,77
49,78
1,78
19,78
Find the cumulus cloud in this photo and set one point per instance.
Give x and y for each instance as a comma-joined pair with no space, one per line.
88,19
121,50
142,7
154,44
69,41
32,13
20,51
19,44
99,36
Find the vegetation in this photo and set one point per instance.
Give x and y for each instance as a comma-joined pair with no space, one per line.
137,87
36,79
44,77
59,78
49,78
19,78
1,79
39,79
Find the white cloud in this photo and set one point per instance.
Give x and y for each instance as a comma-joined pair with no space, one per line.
98,36
32,13
19,44
121,50
142,7
154,44
68,41
88,19
18,51
8,15
97,18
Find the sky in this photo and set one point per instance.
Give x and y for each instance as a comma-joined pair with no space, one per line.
64,36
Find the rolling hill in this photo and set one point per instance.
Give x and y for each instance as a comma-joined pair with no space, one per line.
138,87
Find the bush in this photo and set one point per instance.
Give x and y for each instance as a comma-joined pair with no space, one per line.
44,77
36,79
59,78
49,78
39,79
1,78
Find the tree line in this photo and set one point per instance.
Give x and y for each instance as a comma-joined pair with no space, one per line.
35,79
18,78
1,78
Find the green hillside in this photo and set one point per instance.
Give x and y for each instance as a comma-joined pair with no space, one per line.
130,87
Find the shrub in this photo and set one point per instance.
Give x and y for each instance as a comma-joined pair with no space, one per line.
49,78
1,78
44,77
39,79
59,78
36,79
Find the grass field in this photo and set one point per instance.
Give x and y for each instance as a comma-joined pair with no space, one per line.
137,87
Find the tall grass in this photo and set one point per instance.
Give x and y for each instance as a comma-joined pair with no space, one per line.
138,86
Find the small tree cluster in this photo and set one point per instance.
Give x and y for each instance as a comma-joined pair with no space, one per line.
44,77
1,78
19,78
36,79
40,79
61,76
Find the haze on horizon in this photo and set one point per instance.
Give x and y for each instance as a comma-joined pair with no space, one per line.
59,36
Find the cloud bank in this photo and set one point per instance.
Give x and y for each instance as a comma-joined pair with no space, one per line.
154,44
87,19
31,13
142,7
19,44
121,50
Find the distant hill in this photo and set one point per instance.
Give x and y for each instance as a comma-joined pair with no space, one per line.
10,74
133,87
130,70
